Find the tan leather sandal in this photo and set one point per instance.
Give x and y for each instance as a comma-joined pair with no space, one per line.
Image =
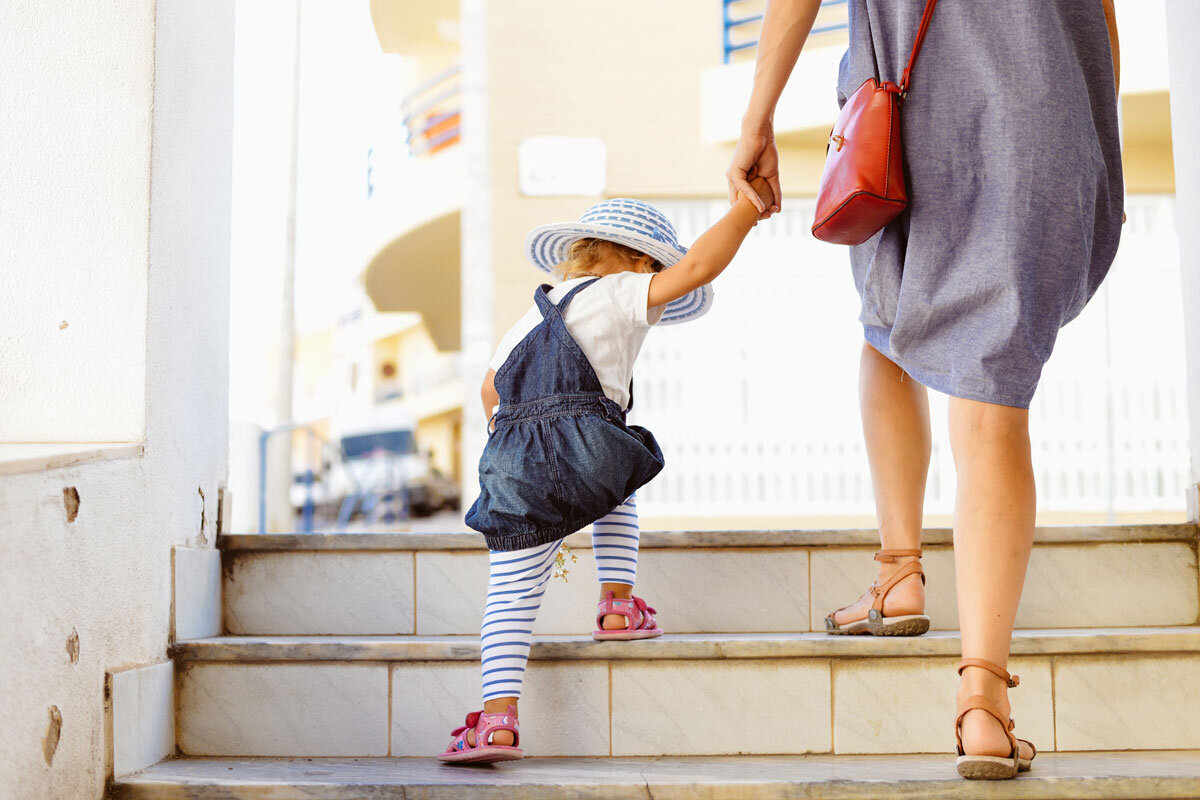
990,768
876,623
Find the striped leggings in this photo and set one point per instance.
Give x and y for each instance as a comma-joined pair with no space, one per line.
518,582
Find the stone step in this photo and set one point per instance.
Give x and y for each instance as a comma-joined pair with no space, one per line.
1090,689
774,537
1144,775
772,581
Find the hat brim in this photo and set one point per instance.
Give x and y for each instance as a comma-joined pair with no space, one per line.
546,246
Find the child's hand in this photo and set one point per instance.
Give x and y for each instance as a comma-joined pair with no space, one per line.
763,189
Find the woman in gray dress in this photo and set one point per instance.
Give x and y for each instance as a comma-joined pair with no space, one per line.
1016,194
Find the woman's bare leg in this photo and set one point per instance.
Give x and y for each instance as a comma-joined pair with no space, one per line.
895,418
993,535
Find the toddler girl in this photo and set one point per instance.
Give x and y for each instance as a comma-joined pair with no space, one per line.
560,455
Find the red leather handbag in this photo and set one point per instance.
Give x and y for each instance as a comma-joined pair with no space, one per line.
862,187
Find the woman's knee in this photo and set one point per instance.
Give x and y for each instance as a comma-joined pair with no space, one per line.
975,425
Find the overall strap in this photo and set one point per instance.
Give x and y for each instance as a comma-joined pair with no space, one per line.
912,59
542,298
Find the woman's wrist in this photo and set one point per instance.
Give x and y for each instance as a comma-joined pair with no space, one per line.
758,123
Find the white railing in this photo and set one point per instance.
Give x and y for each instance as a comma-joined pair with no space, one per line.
756,404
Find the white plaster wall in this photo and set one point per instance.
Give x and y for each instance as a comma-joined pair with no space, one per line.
1183,28
107,575
74,195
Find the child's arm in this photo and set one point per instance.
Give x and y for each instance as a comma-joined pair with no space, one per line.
712,252
488,393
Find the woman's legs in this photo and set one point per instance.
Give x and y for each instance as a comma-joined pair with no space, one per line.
993,535
615,547
895,418
515,589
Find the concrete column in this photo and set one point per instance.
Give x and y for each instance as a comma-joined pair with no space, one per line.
1183,31
476,234
115,177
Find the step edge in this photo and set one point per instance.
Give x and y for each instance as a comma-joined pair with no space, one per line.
1158,767
1149,533
697,647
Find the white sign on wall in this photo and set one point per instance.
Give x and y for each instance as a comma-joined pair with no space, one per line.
561,165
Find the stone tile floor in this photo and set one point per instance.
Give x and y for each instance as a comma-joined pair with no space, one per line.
1162,774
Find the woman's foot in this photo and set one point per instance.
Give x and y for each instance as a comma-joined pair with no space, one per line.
985,744
895,603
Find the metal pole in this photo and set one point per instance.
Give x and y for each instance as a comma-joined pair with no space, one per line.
262,480
278,498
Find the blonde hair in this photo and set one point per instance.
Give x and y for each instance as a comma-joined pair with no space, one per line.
600,257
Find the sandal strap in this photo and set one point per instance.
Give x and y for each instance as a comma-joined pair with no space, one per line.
1032,747
888,556
881,592
978,702
647,614
999,672
490,723
639,615
484,725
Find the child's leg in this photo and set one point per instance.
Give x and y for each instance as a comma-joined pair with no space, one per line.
515,590
615,547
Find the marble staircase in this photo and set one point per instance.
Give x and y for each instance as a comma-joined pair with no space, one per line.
345,655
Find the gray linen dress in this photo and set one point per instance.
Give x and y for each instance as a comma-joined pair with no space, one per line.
1015,186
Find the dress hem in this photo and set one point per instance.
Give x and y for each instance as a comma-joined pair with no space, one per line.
877,337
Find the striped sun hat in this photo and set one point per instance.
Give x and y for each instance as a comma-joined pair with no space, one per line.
631,223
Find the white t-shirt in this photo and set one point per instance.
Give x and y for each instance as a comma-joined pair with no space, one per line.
609,320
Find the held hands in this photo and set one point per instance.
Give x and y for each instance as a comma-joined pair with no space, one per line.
755,156
761,188
711,253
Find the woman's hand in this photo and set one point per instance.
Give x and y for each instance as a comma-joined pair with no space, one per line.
785,26
755,155
763,189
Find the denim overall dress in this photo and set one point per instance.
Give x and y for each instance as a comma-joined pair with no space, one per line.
561,455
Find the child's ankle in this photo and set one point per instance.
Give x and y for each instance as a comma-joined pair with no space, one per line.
499,705
621,591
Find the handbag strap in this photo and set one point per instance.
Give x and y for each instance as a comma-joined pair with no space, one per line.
912,59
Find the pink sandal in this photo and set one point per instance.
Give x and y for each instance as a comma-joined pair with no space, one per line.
483,751
639,617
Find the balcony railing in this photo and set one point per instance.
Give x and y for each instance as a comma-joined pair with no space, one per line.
381,498
432,113
747,27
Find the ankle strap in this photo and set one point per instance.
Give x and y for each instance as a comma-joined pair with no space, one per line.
981,703
999,672
880,592
888,556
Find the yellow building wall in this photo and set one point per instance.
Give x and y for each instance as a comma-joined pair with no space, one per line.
417,358
313,360
627,72
411,352
442,436
1147,144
